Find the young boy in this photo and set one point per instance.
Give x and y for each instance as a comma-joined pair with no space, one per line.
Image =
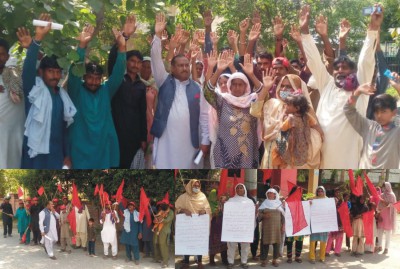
91,237
381,143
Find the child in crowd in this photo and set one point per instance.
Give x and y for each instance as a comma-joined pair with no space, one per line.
296,130
381,147
92,238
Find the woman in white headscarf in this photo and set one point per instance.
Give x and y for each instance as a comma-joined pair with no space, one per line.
272,113
237,144
240,197
387,220
271,213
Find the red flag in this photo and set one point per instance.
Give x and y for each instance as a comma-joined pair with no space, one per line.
372,189
345,219
40,191
297,211
101,194
59,188
368,218
106,198
118,196
96,190
20,192
166,198
267,173
359,186
75,197
227,184
144,207
72,220
355,187
397,206
290,186
223,181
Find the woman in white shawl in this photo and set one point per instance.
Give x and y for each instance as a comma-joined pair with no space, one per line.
271,213
387,220
237,140
240,197
271,112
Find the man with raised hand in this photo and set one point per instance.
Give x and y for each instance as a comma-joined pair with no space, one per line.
48,107
94,141
178,119
342,145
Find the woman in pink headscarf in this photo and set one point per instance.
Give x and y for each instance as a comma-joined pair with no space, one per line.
387,219
237,144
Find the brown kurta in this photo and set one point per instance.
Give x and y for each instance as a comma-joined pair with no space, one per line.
65,229
272,221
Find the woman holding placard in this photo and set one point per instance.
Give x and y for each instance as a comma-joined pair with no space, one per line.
271,213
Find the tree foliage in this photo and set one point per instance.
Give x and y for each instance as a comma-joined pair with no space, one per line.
155,182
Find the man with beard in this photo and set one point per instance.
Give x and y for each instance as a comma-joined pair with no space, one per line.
342,145
94,141
49,110
179,117
129,110
35,210
12,114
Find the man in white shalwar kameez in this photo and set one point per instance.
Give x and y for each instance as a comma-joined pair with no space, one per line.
82,218
12,112
48,227
342,145
174,148
109,233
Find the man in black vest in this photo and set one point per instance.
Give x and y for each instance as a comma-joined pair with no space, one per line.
7,216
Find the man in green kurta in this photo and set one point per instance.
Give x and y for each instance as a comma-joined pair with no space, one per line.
160,239
94,142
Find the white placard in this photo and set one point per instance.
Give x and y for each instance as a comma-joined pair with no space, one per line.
54,25
323,215
238,222
289,223
192,234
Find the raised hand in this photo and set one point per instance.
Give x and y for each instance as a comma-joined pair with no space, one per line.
247,65
184,37
344,28
174,41
279,26
195,51
164,35
212,59
214,38
255,32
223,62
42,31
269,78
395,82
321,25
304,19
295,33
244,25
366,89
230,57
256,17
232,37
200,37
208,18
285,43
160,24
120,40
149,39
85,36
129,26
376,18
24,37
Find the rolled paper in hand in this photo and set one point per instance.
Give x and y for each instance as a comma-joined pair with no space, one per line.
54,26
198,157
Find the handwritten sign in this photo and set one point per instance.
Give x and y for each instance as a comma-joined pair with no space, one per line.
192,234
238,222
289,223
323,215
